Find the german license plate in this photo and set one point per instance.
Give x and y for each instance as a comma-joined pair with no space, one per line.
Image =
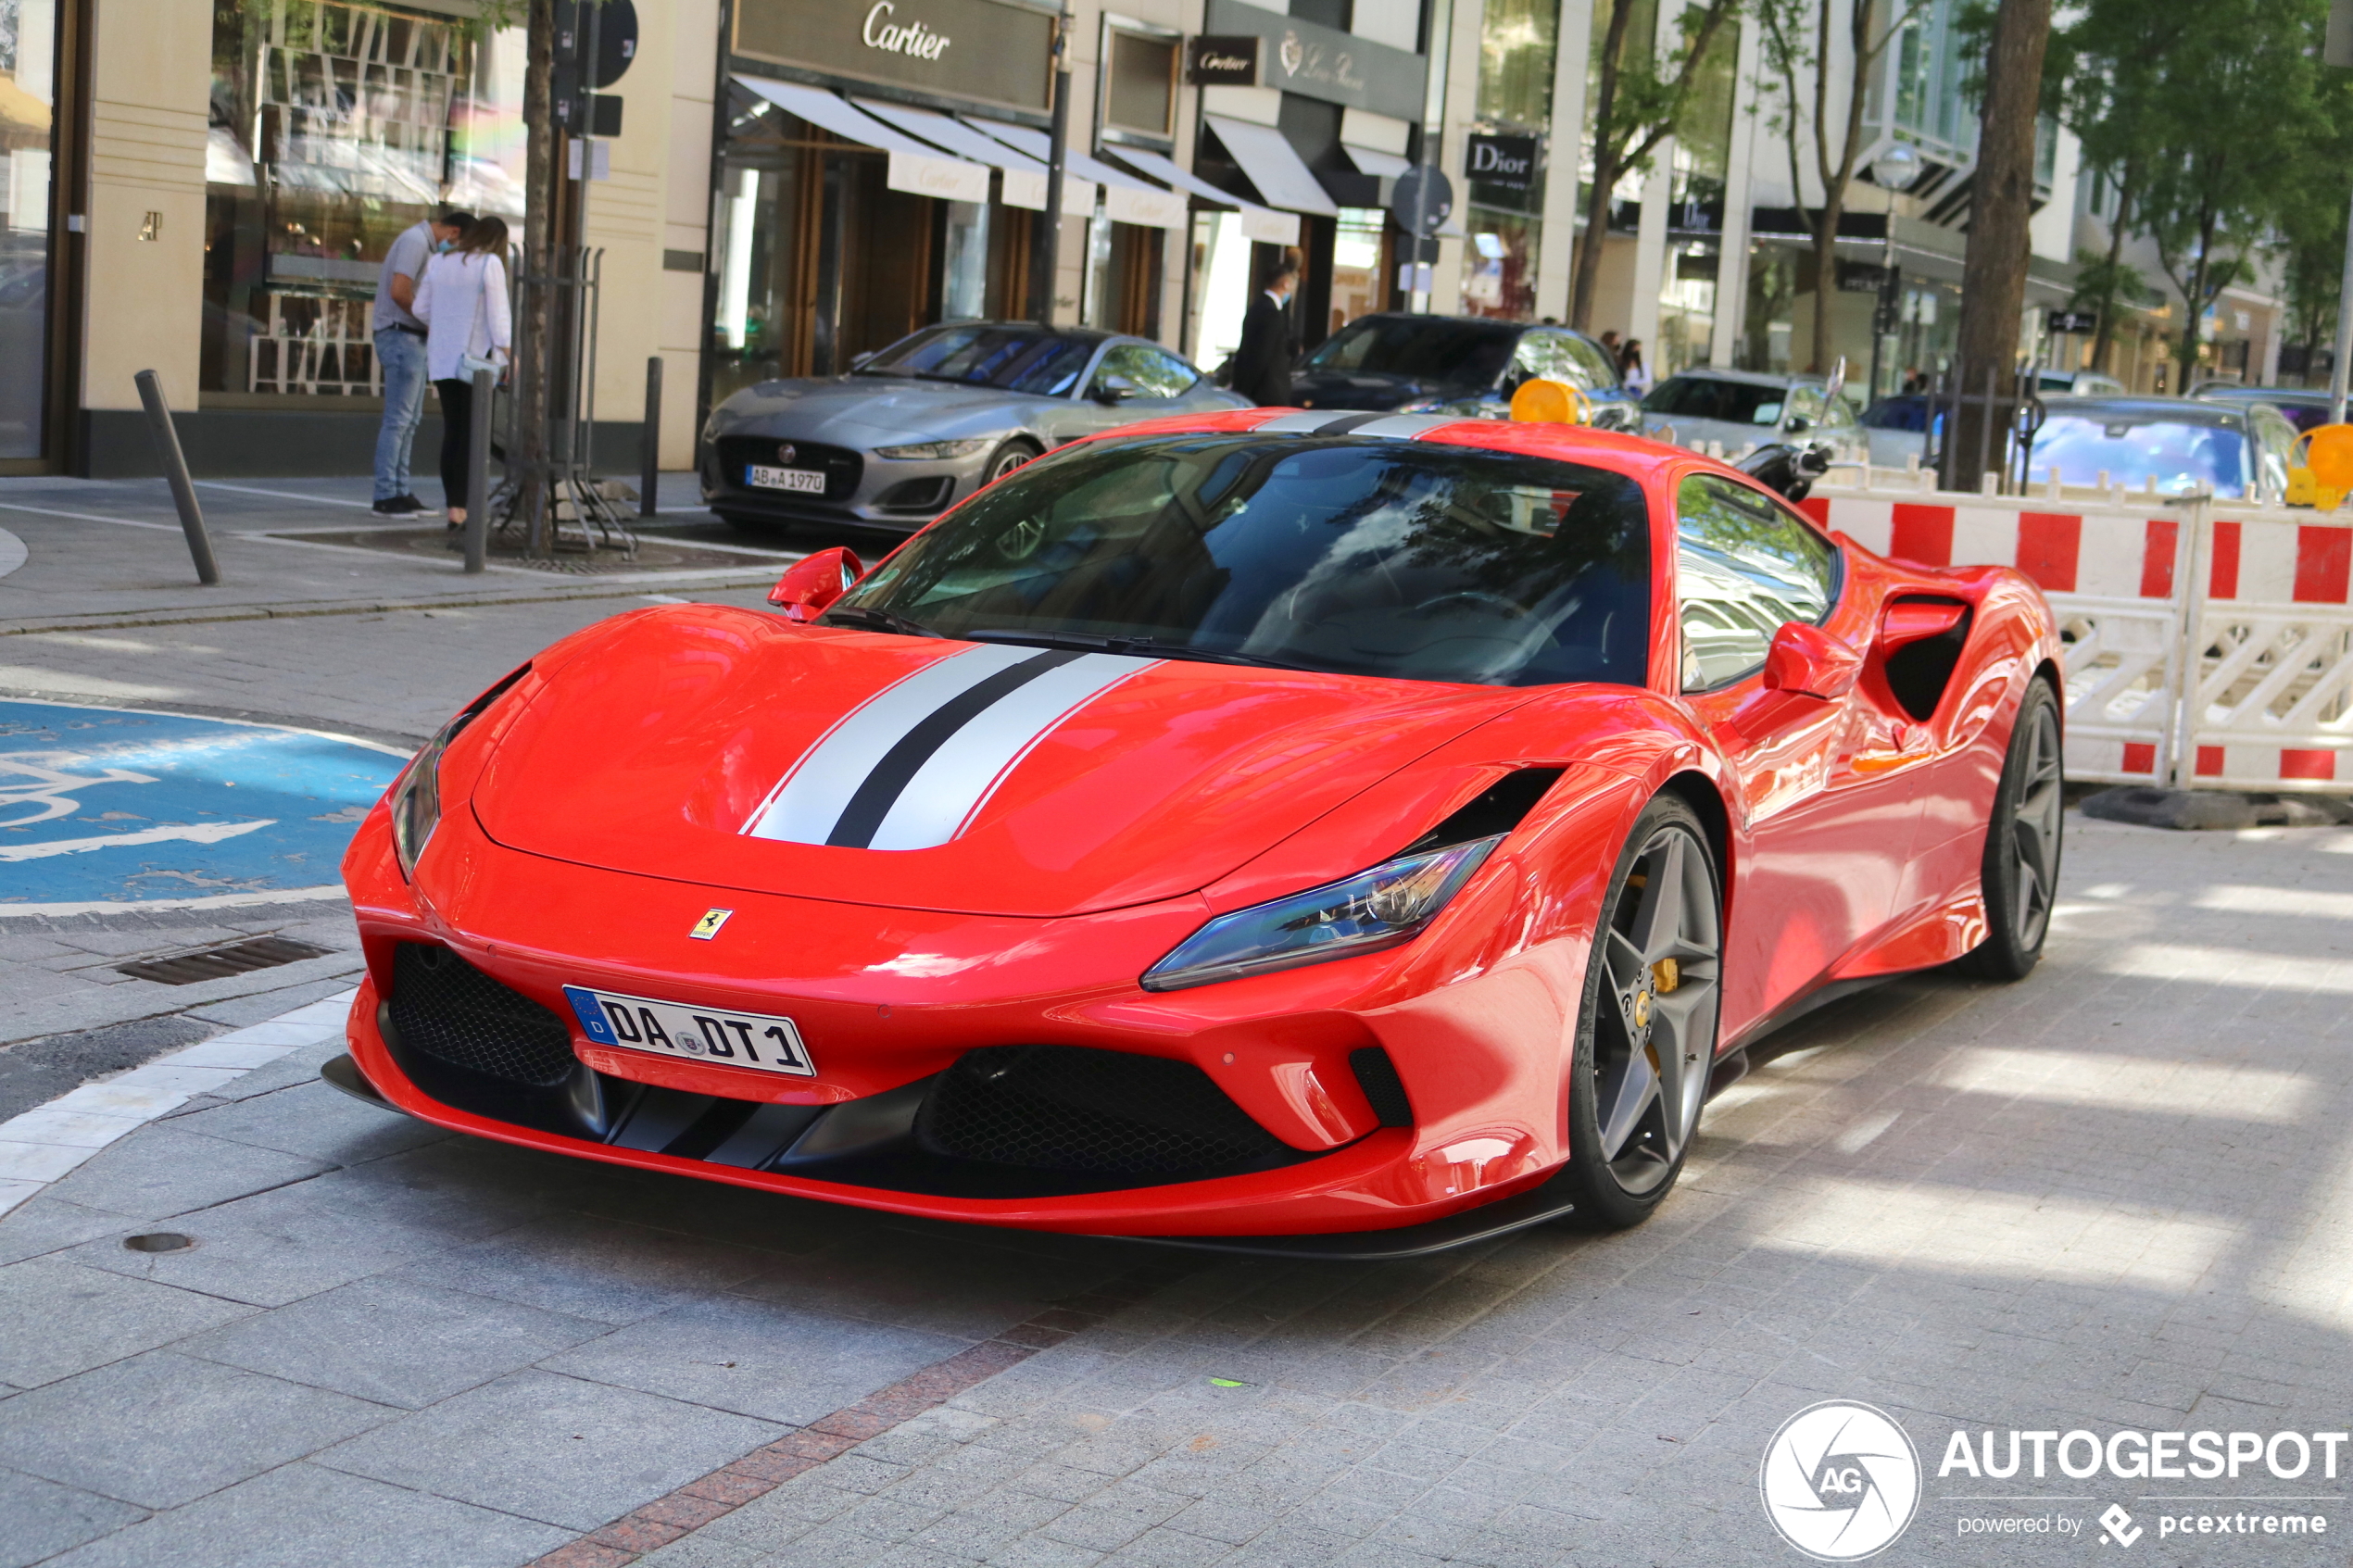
763,1043
807,480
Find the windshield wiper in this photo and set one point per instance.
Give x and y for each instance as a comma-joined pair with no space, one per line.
877,620
1142,648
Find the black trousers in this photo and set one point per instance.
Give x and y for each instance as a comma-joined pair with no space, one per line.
456,433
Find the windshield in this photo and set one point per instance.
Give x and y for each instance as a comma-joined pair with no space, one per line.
1350,554
1014,358
1705,398
2180,455
1428,348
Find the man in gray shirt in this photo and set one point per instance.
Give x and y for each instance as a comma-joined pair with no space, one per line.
400,352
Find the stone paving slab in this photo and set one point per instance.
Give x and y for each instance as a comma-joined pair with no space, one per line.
2117,1195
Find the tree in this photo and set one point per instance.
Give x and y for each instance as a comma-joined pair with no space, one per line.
1636,107
2104,281
1833,112
2001,205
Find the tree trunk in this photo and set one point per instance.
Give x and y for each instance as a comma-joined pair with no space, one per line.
533,327
2002,202
2104,335
1826,278
1586,273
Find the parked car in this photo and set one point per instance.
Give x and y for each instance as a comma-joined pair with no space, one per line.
1897,428
919,426
2079,383
1263,828
2233,449
1743,408
2304,408
1466,365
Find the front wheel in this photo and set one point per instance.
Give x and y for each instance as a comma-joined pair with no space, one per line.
1005,460
1646,1030
2022,865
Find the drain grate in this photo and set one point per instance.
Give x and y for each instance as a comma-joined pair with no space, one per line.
219,964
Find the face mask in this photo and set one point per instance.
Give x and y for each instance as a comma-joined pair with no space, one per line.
444,246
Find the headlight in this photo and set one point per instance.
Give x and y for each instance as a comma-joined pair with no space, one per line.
1368,912
935,449
416,794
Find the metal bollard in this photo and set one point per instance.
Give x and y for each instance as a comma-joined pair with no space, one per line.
175,469
478,471
650,444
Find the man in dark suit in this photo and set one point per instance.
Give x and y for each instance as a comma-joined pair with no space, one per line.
1261,365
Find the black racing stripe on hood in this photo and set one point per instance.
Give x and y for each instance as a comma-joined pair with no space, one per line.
856,827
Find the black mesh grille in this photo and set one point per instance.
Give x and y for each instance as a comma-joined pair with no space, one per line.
442,1006
841,466
1063,1108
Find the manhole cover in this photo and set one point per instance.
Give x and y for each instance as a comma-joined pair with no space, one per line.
159,1241
219,964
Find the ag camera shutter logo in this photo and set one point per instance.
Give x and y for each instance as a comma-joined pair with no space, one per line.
1840,1481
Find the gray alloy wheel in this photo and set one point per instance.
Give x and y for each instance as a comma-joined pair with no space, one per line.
1008,457
1646,1042
2022,846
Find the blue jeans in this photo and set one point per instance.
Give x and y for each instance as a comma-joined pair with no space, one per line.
402,355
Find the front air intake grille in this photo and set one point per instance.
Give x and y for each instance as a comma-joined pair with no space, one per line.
444,1007
1384,1091
841,466
1063,1108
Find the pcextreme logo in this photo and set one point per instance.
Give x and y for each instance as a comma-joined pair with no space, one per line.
1840,1481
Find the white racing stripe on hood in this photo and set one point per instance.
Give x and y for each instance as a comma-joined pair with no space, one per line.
949,790
808,799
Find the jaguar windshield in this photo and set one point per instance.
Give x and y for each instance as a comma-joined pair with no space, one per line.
1342,554
1013,359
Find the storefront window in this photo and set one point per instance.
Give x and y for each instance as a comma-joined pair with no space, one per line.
1517,43
1139,82
1359,264
1500,266
28,63
1222,286
334,127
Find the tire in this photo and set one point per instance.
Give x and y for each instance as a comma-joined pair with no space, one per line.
1008,457
1639,1073
2022,865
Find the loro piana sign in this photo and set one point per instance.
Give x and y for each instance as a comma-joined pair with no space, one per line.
978,49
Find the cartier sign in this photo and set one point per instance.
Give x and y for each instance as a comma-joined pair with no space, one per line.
988,51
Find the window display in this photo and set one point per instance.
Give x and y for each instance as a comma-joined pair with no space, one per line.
28,68
334,128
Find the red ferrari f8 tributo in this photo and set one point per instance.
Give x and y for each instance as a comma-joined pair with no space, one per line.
1332,835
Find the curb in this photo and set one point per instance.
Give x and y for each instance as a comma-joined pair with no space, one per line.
39,1146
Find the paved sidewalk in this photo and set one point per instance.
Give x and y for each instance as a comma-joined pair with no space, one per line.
110,553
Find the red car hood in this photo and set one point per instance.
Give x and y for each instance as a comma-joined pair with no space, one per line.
732,748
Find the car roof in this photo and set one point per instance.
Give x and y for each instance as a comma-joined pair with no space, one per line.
1746,378
2150,410
1490,323
2232,392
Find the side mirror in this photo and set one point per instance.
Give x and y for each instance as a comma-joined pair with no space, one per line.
860,361
1797,424
1807,661
1112,391
813,582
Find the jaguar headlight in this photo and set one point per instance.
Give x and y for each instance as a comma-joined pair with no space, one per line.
416,794
1363,914
934,449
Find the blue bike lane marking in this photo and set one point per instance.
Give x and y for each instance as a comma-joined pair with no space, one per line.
102,807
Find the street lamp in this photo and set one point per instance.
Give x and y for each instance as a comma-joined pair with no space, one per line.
1895,170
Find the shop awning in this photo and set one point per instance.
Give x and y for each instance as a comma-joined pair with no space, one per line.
1274,167
1261,223
1373,161
1125,198
915,168
1024,177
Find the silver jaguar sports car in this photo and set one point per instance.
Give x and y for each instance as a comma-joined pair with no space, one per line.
916,428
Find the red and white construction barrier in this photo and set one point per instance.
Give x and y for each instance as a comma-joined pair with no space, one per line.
2264,596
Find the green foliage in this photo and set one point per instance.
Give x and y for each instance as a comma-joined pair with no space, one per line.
2217,117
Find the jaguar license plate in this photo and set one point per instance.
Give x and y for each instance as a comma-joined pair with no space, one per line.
758,1041
810,481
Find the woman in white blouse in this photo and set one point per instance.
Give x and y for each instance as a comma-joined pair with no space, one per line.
463,301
